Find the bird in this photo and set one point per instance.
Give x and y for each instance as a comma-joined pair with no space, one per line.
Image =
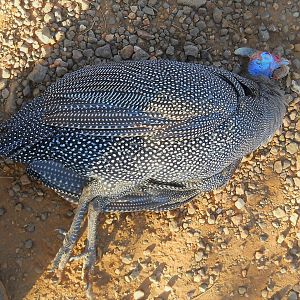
143,135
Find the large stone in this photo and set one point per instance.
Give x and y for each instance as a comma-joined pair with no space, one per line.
44,35
126,52
217,15
191,50
195,3
5,73
139,54
38,73
292,148
104,51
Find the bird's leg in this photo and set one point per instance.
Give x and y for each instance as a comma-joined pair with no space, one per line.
64,253
90,253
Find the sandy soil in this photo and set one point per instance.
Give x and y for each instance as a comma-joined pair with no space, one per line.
229,244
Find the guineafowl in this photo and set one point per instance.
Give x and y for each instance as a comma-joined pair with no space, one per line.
147,135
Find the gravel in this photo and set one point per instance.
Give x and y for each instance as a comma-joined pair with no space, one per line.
260,205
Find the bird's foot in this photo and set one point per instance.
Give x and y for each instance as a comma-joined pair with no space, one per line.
64,254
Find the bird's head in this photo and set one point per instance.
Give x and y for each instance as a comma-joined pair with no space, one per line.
264,63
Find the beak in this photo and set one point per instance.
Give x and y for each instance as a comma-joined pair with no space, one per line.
281,72
245,52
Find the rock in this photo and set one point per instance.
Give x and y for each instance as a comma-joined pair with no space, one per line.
292,148
2,212
148,11
297,47
139,54
191,50
170,50
104,52
5,73
263,35
127,260
28,244
236,219
203,287
242,290
61,71
47,8
217,15
30,227
277,166
126,52
297,182
292,296
139,294
88,53
145,35
240,203
77,55
199,256
296,63
201,25
5,93
44,35
3,83
279,213
295,86
38,73
195,3
25,180
109,38
84,4
11,101
294,219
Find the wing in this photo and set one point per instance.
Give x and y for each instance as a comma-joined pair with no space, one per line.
143,98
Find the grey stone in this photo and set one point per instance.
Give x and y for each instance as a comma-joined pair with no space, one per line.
30,227
76,55
88,53
3,84
170,50
292,296
263,35
195,3
139,54
126,52
28,244
104,52
5,93
2,211
145,35
217,15
296,63
38,73
61,71
148,10
191,50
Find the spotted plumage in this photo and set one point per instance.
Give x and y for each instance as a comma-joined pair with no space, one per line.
123,124
137,136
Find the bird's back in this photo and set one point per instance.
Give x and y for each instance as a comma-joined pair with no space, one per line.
125,123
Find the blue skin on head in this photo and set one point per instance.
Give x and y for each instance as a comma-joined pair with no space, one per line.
263,64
